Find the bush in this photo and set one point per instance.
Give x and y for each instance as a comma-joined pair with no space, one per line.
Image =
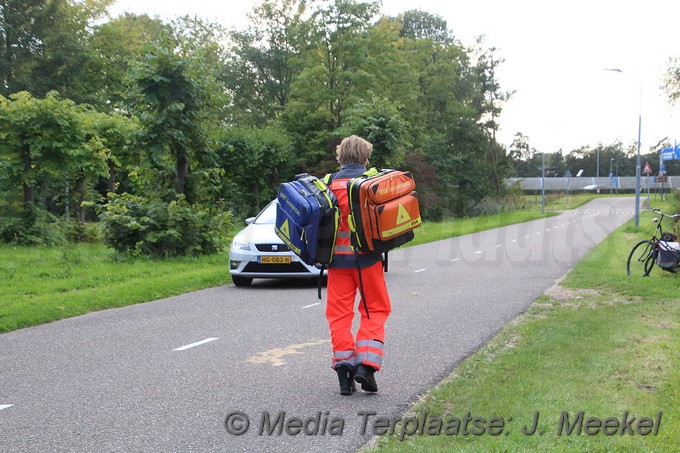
29,225
488,206
153,227
89,232
491,206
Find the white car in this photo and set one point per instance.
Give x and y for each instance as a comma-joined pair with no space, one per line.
257,252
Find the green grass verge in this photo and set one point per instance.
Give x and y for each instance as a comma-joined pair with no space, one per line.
435,231
43,284
601,343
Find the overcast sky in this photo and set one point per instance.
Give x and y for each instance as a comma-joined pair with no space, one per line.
554,55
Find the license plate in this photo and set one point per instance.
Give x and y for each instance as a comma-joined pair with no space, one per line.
274,260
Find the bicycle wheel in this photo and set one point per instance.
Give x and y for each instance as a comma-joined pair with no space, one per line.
641,259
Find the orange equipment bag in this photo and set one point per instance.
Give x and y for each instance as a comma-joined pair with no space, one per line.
383,210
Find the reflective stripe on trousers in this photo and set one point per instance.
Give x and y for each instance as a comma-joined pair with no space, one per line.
370,352
344,358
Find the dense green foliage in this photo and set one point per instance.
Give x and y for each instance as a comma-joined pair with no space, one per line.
134,105
149,226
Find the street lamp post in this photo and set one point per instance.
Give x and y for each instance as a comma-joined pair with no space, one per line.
611,176
637,165
617,175
543,184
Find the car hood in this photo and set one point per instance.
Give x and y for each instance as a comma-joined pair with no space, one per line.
259,234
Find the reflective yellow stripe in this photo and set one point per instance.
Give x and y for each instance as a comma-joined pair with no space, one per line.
401,228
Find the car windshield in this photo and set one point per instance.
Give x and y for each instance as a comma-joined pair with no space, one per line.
267,216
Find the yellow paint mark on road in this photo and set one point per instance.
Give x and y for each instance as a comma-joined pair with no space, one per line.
275,356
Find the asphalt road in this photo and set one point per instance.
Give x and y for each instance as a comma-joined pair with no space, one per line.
164,375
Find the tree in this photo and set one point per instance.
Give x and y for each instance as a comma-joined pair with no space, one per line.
490,106
44,135
419,24
42,140
337,73
266,59
256,159
176,98
341,31
23,25
671,82
378,121
116,134
117,43
45,46
520,154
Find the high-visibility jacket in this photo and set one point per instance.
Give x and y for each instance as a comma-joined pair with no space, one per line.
343,254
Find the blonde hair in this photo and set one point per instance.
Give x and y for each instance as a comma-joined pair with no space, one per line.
354,150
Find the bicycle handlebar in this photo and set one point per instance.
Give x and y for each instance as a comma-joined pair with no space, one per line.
658,211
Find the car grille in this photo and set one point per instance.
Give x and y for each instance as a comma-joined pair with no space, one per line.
275,268
276,248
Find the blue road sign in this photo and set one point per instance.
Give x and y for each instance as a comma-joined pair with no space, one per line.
668,154
677,152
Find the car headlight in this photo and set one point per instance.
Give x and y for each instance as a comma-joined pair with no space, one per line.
240,245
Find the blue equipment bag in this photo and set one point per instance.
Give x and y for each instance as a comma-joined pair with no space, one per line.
307,217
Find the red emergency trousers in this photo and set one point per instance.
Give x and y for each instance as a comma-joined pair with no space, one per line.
343,285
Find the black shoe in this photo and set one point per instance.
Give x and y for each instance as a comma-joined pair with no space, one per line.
364,376
346,379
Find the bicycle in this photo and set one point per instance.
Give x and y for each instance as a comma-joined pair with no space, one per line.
661,249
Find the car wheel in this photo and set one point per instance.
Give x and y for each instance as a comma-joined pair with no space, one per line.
241,281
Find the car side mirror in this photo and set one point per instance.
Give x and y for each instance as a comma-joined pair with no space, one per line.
250,220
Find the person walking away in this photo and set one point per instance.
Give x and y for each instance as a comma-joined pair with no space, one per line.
349,271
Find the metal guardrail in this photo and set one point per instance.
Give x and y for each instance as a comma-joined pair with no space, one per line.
590,183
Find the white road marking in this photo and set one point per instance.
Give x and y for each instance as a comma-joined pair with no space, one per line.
420,270
499,245
193,345
479,251
455,259
312,305
5,406
514,240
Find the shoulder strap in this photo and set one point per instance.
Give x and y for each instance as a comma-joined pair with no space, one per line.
323,268
361,284
371,172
